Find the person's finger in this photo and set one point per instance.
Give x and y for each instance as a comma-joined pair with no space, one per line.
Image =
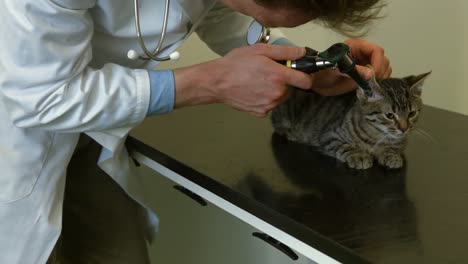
285,96
388,73
378,61
298,79
276,52
383,69
368,53
272,105
365,72
283,75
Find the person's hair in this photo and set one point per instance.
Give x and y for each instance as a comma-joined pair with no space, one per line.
345,16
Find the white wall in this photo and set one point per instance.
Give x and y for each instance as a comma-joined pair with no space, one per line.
418,35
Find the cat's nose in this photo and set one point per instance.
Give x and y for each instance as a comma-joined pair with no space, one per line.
403,125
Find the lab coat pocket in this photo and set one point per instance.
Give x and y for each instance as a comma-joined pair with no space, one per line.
23,153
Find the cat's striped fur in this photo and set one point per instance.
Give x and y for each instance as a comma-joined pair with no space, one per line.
355,128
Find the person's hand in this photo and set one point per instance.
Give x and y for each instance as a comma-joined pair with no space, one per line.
248,79
367,53
331,82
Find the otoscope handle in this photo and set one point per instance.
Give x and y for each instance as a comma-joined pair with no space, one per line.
310,63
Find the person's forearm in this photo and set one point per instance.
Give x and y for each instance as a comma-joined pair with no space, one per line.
196,85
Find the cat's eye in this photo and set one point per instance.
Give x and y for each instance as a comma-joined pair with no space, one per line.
390,115
412,114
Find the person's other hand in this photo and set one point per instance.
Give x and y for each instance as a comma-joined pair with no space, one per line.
332,82
367,53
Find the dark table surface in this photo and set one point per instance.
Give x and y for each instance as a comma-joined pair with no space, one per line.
417,214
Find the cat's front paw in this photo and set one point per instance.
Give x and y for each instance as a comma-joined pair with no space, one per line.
360,161
390,160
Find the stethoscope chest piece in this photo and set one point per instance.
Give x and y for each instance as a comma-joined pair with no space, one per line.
133,55
257,33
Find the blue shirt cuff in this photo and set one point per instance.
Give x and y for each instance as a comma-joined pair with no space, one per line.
283,42
162,92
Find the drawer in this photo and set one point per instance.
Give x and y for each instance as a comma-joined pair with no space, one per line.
193,233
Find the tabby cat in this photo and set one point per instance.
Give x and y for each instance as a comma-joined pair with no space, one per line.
355,128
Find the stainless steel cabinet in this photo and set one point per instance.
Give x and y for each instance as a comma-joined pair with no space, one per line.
196,234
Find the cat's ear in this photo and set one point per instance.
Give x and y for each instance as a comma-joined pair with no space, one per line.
415,82
376,90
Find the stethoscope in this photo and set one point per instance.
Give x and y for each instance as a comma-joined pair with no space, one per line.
133,55
256,33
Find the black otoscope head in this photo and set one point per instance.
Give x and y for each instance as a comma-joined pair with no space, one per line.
339,54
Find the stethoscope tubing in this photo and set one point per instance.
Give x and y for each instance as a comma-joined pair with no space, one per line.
151,55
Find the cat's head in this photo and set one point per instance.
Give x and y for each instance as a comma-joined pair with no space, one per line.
394,105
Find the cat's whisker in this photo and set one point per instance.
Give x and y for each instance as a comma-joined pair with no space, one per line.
425,134
379,141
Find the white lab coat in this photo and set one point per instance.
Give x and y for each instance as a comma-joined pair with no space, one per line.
64,71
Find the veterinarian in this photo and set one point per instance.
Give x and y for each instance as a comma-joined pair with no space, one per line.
74,80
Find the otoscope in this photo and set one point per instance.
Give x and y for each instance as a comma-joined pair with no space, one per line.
336,56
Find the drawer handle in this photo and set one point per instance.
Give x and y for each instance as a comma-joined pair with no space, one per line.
191,194
137,164
278,245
